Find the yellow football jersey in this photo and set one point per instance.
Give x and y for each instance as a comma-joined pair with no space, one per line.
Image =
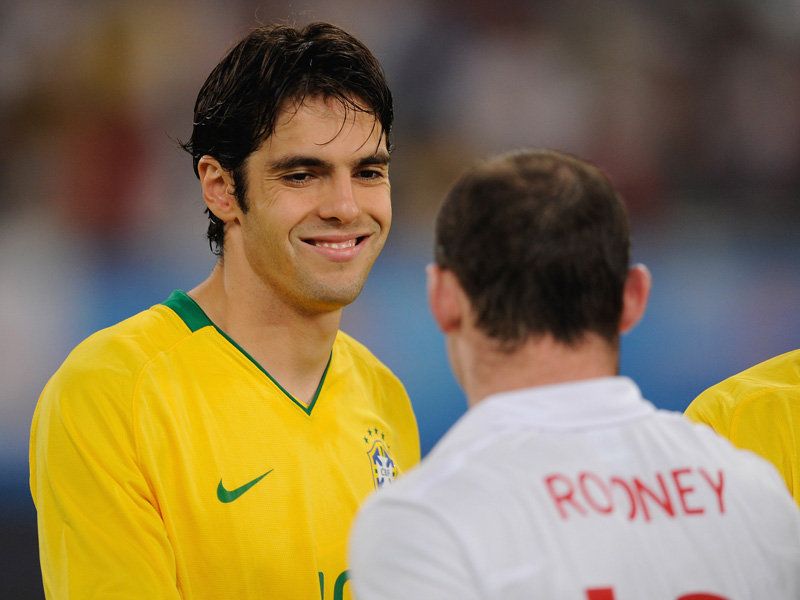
166,463
759,410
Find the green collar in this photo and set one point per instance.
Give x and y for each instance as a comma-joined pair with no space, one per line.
195,319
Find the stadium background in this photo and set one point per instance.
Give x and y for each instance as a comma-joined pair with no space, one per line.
692,106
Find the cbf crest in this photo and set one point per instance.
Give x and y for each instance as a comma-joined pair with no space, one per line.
384,471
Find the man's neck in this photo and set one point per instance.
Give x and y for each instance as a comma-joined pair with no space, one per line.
292,346
487,370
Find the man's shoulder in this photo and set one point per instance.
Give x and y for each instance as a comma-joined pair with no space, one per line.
685,446
350,350
471,449
467,470
119,352
135,339
760,387
348,343
779,372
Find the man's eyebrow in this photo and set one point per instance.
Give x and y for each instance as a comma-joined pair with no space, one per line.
293,162
287,163
379,158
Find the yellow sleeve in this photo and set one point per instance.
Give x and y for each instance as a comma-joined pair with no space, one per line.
765,424
709,408
100,531
761,421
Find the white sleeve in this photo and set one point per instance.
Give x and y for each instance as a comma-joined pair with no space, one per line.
400,551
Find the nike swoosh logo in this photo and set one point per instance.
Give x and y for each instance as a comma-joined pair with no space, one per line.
226,496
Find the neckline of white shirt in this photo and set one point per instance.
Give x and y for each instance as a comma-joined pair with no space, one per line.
602,401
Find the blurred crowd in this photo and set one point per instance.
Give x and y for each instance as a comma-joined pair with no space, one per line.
693,107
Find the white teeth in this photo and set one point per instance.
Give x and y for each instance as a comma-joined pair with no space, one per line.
337,245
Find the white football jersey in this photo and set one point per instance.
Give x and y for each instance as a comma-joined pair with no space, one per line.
580,491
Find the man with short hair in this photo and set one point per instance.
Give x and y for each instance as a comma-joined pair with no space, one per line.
561,481
218,445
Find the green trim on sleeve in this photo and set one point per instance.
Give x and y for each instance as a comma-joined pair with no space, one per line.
195,319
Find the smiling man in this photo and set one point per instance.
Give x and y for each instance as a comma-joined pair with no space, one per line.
218,445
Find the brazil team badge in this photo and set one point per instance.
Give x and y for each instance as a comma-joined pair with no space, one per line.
384,471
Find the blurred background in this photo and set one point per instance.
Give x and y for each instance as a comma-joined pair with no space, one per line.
691,106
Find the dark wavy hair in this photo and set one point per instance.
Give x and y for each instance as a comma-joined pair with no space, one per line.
237,106
540,242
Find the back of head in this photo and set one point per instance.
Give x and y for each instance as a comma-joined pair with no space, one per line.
539,242
266,72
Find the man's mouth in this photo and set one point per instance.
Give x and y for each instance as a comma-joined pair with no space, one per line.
336,245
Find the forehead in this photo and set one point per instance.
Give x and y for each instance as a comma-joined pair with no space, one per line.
317,123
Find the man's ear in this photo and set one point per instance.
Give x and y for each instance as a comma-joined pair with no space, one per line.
218,189
445,298
634,297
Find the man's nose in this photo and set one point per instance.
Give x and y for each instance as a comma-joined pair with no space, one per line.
340,202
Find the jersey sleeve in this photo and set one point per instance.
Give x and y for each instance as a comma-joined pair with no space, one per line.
100,531
757,421
708,409
766,426
400,551
399,411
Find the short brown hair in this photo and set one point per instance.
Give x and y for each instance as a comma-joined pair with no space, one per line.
540,242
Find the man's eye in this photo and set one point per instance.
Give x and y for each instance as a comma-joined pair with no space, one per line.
297,177
370,174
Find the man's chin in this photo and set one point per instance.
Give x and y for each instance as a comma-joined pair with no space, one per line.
332,298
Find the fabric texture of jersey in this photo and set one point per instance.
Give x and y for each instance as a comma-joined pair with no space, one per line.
584,491
759,409
166,463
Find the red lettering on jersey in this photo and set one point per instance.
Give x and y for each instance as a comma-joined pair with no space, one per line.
664,501
631,496
608,594
717,487
600,594
684,490
677,493
566,496
604,491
